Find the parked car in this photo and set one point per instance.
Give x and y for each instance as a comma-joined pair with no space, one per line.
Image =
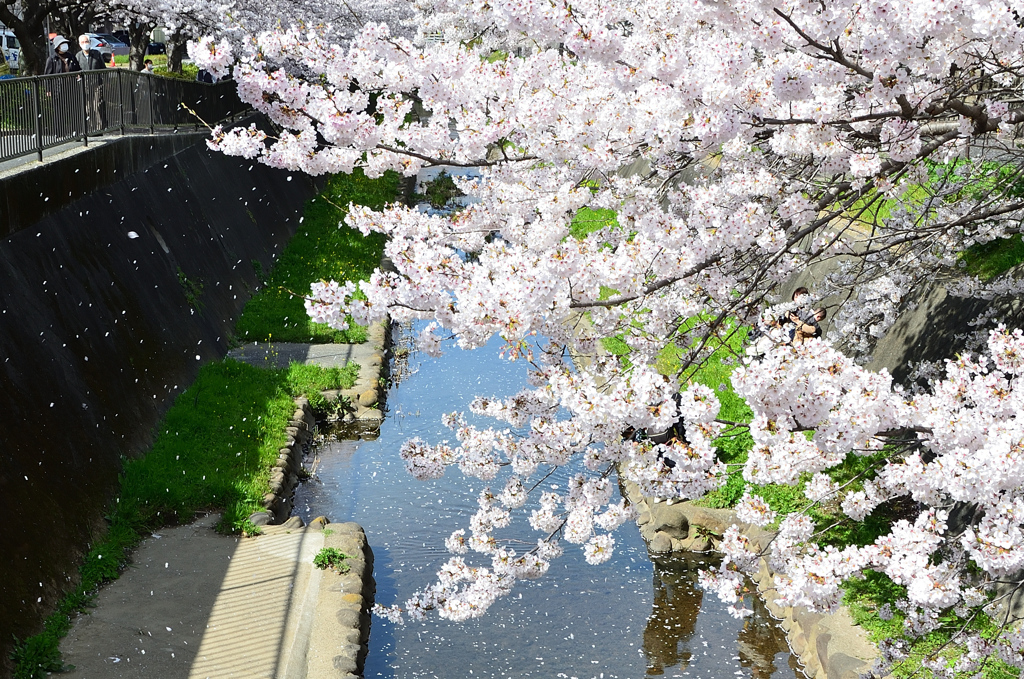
119,48
11,49
102,46
157,48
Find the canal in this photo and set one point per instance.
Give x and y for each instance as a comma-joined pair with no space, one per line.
629,617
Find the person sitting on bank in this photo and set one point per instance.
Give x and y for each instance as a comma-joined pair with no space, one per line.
674,433
62,60
803,330
801,297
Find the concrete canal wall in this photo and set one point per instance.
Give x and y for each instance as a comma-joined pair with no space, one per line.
122,270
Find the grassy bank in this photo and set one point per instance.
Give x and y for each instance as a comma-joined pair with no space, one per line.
865,598
988,260
322,249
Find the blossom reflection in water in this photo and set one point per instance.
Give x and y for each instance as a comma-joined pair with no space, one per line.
681,639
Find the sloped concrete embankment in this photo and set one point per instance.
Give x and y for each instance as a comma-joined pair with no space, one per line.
828,646
110,301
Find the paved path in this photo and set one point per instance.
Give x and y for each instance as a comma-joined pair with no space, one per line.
196,604
280,354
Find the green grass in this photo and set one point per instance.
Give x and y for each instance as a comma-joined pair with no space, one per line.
159,60
188,72
866,596
979,180
213,451
320,250
333,558
587,220
988,260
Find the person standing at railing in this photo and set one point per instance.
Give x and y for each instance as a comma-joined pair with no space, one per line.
59,90
61,61
91,60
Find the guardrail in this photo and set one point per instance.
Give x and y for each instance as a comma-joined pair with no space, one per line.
40,112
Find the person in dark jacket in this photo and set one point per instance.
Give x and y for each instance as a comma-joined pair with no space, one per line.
90,59
62,60
805,329
61,90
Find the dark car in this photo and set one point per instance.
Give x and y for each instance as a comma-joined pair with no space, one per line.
156,48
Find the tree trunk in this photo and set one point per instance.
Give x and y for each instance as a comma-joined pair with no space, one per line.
30,30
138,45
71,22
175,51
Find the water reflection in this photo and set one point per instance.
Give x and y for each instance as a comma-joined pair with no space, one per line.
673,620
579,621
672,638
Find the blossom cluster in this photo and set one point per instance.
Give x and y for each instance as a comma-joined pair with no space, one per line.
738,144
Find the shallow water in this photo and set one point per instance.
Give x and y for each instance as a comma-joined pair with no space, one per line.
626,618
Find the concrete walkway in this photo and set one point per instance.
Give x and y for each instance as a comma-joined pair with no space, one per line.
196,604
280,354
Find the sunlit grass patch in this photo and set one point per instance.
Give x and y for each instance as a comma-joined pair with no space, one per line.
322,249
988,260
588,220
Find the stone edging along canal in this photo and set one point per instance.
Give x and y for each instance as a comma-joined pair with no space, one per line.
362,402
828,646
341,624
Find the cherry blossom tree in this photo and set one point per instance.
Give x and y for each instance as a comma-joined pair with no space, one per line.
738,144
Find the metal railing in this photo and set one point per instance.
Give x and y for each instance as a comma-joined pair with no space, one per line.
41,112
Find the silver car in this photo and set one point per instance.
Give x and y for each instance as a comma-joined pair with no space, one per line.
97,43
117,47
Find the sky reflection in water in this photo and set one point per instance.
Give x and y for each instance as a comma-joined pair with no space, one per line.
625,618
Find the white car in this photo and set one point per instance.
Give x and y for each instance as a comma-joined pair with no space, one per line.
11,49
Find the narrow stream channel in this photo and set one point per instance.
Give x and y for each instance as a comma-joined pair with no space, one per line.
626,618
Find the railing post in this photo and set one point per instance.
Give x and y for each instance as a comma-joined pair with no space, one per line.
152,107
37,105
121,94
85,110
